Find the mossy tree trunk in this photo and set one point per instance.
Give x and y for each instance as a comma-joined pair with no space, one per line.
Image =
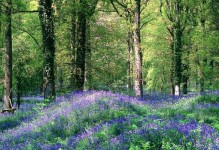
81,49
83,43
46,19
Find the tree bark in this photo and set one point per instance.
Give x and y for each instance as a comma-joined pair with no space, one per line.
138,51
8,58
80,56
46,19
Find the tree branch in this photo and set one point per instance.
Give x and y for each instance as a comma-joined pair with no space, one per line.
28,34
111,1
25,11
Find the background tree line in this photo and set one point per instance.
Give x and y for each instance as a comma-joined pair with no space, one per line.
56,46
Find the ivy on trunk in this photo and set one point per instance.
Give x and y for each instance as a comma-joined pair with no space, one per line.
46,19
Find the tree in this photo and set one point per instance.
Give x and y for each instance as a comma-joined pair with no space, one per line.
73,44
46,19
138,51
204,44
176,15
1,54
81,49
88,55
86,10
128,14
132,17
8,57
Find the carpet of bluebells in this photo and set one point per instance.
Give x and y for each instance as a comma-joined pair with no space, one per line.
100,120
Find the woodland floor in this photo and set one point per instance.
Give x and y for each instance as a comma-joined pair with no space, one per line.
97,120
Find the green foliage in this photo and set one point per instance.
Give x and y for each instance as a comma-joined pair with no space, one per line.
27,55
169,146
208,99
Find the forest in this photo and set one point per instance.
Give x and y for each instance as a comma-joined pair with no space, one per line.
109,74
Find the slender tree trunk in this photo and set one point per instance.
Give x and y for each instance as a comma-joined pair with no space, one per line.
201,72
88,67
211,63
129,59
186,74
80,56
59,78
1,41
201,78
73,46
1,46
8,58
185,78
177,57
18,92
138,51
172,85
129,47
46,19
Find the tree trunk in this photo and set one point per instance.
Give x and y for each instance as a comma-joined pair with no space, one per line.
201,71
80,56
73,46
18,92
46,19
129,47
185,75
172,87
1,46
8,58
138,51
88,67
177,57
185,78
128,60
211,64
59,78
200,74
1,40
